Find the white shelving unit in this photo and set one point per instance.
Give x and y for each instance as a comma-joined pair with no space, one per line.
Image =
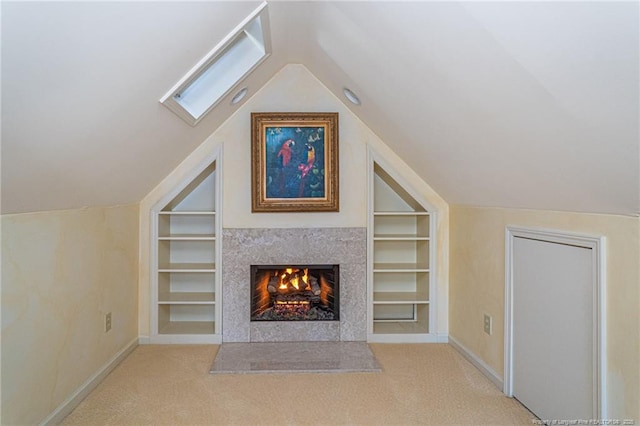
187,250
401,259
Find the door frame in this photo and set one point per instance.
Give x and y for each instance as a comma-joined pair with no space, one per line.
597,244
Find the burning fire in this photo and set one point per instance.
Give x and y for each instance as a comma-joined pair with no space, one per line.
292,293
293,278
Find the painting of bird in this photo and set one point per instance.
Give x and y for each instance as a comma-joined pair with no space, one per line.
294,162
307,165
285,152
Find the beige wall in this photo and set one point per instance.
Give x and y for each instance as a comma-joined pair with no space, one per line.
477,281
62,271
294,88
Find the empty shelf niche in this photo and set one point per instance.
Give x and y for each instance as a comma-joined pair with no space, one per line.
401,259
187,249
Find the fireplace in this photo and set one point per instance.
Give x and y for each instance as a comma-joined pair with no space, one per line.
244,247
295,292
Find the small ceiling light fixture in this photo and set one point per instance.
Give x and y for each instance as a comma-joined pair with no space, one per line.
239,96
353,98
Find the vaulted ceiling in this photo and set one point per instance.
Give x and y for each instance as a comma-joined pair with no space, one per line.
508,104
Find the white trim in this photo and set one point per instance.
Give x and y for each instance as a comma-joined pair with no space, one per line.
477,362
218,254
153,268
69,404
370,186
433,282
598,246
442,337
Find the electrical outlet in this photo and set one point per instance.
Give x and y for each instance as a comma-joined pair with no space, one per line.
107,322
488,324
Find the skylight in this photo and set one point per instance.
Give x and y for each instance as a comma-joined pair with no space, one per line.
220,71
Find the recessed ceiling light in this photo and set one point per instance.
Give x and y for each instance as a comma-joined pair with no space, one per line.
239,96
351,96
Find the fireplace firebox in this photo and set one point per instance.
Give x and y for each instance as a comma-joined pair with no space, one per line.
295,292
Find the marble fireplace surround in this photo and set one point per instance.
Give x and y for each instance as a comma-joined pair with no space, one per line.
243,247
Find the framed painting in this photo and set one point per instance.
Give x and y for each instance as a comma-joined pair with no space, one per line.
294,162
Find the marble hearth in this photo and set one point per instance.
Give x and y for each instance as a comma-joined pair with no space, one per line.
246,247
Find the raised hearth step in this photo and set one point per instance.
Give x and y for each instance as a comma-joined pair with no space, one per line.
295,357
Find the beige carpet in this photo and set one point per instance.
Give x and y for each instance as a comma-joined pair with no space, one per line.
420,384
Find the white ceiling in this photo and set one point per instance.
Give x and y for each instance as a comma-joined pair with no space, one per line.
509,104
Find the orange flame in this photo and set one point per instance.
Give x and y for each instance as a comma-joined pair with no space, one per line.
326,291
288,277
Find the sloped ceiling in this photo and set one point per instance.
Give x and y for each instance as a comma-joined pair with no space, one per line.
521,104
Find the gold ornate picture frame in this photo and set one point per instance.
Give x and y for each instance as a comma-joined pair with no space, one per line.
294,162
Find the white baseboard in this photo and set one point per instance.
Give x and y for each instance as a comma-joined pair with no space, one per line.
81,393
477,362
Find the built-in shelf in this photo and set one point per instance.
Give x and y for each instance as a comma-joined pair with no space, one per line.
186,213
187,327
399,237
186,279
400,267
400,247
188,237
399,327
395,297
400,213
186,298
187,267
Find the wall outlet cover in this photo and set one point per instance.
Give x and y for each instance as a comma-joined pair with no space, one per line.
488,325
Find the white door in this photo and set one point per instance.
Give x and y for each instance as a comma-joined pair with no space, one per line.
553,329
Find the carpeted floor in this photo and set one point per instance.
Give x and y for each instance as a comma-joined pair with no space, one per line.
421,384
